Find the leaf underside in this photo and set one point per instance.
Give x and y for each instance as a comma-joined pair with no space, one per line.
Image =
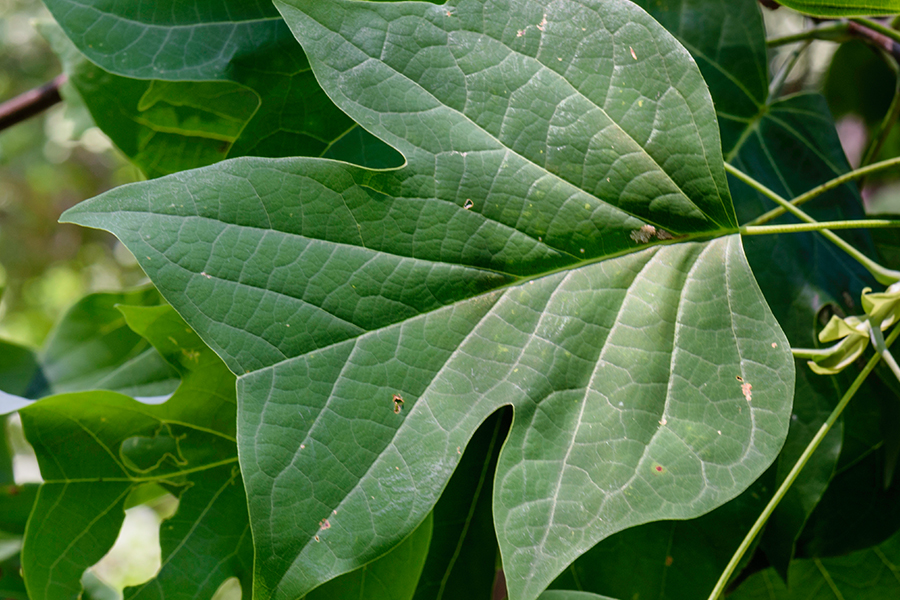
523,256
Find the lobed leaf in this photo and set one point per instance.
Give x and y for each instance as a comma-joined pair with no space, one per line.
522,256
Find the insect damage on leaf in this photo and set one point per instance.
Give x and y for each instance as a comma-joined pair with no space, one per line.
398,404
648,232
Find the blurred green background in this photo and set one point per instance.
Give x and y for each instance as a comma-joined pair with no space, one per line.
48,164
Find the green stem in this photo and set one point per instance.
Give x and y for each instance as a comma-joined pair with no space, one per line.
795,471
878,341
882,275
825,187
782,75
876,26
832,33
890,118
819,226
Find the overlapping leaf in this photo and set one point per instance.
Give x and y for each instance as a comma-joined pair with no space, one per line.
523,256
184,87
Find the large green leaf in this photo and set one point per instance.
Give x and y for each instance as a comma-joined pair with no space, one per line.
522,256
99,450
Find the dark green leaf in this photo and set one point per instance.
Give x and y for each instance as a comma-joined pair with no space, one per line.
570,595
800,274
727,39
11,583
248,85
865,575
463,552
19,370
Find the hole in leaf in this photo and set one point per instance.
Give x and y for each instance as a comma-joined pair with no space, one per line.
144,453
229,590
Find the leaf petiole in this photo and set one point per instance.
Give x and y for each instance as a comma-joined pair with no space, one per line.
882,275
820,226
795,471
825,187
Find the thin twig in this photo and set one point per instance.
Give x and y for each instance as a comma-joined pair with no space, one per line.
836,32
31,102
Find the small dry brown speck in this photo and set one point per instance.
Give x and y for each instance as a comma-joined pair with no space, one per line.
398,404
317,538
669,561
739,378
745,389
324,524
774,345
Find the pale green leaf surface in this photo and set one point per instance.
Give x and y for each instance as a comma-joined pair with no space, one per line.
501,265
